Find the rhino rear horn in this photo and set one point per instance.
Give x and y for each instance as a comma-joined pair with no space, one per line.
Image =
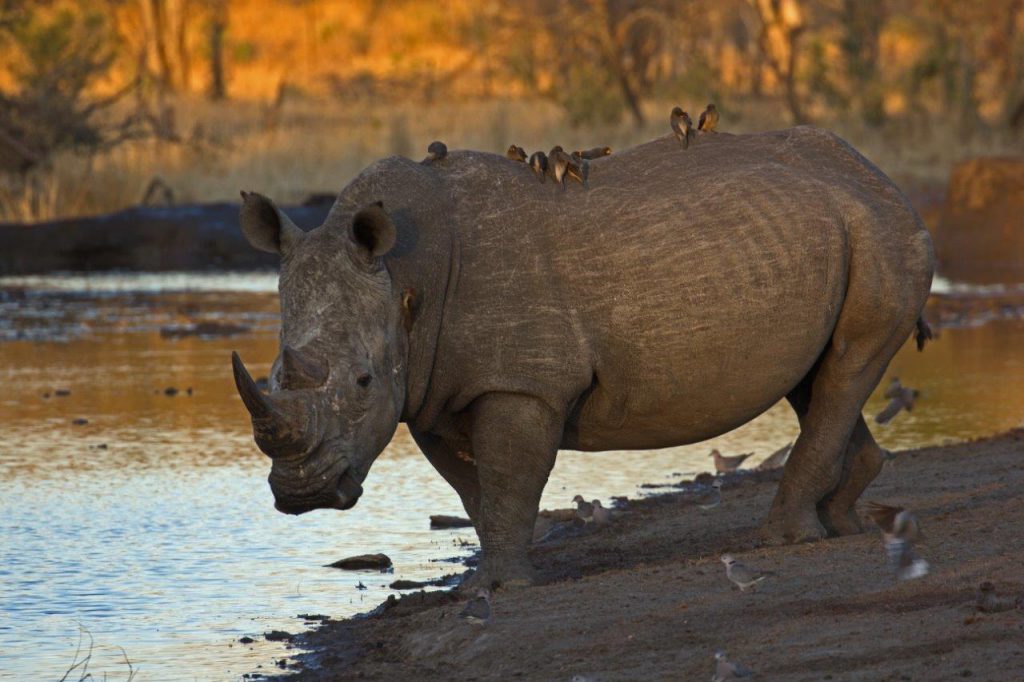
302,370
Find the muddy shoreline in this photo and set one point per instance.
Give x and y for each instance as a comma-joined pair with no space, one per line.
647,597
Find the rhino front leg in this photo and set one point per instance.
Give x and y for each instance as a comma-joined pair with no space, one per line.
456,466
515,439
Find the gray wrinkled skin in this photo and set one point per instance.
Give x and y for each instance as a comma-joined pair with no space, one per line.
680,297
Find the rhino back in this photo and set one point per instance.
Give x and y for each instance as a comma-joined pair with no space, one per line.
681,295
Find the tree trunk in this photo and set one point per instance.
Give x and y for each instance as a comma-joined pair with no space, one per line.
218,26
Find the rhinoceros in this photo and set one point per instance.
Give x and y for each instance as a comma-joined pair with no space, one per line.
502,318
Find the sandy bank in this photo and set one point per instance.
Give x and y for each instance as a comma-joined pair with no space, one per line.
648,598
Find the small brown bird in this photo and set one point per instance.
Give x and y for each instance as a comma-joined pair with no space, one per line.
516,153
900,532
776,459
602,517
743,576
682,126
595,153
708,119
893,388
990,602
584,509
727,465
436,151
902,399
729,670
561,165
539,164
709,499
478,609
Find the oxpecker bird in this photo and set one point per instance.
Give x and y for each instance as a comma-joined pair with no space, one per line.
436,151
708,119
516,153
682,126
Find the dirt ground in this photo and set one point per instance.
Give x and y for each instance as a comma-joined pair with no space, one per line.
647,598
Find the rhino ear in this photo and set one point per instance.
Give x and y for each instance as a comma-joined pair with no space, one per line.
266,227
372,230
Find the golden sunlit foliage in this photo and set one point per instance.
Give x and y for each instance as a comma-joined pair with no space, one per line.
311,90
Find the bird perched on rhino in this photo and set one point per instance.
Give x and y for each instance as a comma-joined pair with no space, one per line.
594,153
516,153
584,509
478,609
901,398
729,670
741,575
727,465
436,152
539,164
561,165
708,119
900,532
682,126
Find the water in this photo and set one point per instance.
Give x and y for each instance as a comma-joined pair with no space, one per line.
152,526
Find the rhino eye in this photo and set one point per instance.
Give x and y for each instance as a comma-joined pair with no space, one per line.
364,380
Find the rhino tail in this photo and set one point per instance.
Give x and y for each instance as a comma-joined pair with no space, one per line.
924,333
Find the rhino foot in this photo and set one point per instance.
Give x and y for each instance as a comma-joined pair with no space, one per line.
507,575
840,519
792,527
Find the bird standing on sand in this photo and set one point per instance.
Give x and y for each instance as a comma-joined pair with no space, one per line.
478,609
990,602
900,532
516,153
728,670
742,575
436,152
708,119
602,517
584,509
902,399
776,459
595,153
682,126
727,465
709,499
539,164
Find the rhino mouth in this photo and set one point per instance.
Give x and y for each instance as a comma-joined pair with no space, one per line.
343,495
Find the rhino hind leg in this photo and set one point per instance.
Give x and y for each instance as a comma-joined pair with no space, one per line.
515,439
835,458
863,462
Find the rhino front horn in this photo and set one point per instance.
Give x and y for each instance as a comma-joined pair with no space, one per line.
259,405
282,424
300,370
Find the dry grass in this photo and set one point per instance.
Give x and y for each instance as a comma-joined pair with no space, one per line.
319,145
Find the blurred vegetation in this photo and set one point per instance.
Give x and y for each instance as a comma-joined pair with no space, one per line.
296,95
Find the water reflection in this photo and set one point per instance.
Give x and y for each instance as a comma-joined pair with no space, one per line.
152,525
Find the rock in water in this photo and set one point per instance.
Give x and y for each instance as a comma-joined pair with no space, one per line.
444,521
361,562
